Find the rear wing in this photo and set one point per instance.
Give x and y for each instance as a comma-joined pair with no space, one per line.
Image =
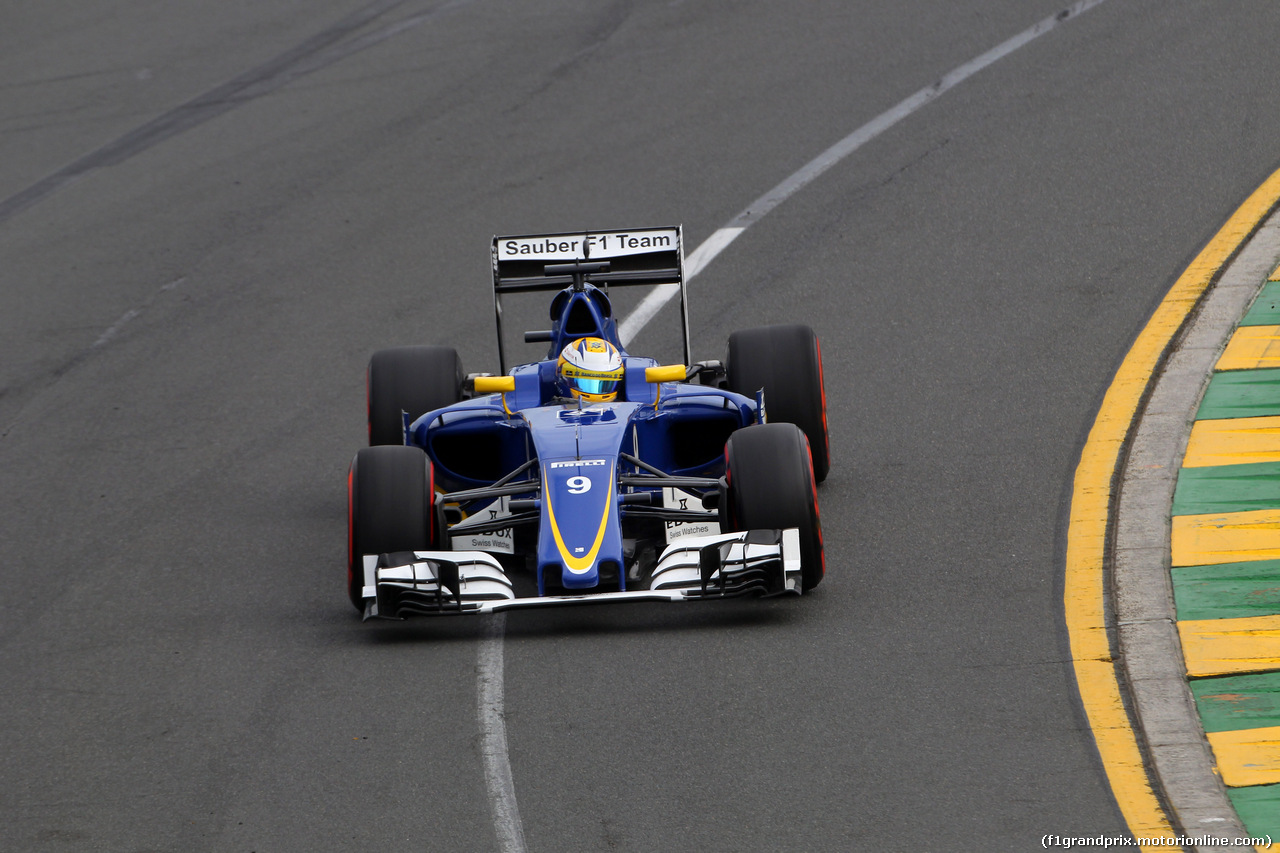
536,262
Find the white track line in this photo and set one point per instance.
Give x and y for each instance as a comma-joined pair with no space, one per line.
497,766
664,293
717,242
493,739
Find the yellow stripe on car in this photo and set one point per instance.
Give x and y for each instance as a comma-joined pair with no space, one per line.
578,565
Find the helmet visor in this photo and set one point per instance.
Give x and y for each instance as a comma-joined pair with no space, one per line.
595,386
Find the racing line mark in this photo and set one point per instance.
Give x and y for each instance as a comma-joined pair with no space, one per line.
319,51
43,381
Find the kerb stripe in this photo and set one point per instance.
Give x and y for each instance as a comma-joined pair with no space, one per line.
1091,504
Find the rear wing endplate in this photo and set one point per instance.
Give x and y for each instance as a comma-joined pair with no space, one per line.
536,262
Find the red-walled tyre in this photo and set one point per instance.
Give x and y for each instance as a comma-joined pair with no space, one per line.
786,361
389,508
411,379
771,486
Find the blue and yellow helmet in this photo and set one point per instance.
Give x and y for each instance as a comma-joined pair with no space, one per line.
590,369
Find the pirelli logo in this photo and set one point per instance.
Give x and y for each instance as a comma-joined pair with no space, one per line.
579,463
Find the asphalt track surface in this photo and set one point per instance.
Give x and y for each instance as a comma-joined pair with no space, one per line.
184,329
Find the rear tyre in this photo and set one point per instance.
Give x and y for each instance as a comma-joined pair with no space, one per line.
771,485
390,493
411,379
786,361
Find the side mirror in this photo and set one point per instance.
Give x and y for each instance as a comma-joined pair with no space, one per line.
495,384
666,373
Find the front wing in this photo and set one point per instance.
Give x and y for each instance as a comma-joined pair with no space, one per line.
425,583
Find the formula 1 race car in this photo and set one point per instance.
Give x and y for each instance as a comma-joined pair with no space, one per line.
592,475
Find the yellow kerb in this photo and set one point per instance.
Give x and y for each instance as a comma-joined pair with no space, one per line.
1248,756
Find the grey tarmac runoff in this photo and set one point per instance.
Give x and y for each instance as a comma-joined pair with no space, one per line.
184,329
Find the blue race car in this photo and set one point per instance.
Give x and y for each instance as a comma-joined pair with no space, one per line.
592,475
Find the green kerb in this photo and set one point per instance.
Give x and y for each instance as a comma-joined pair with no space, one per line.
1227,590
1259,809
1241,394
1266,308
1229,703
1227,488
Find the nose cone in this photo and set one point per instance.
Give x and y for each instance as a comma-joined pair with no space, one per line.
580,515
578,454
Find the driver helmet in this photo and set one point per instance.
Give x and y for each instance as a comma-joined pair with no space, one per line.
590,369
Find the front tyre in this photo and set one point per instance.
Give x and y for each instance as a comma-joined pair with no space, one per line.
771,485
414,379
786,361
390,492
